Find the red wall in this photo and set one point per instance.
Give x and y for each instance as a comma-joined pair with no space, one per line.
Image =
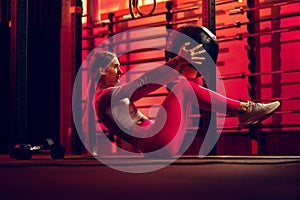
278,52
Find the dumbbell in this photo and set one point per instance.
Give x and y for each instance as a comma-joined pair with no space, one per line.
25,151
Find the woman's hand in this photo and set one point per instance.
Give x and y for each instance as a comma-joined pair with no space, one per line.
191,56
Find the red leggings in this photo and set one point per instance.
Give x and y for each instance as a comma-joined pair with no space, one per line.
168,132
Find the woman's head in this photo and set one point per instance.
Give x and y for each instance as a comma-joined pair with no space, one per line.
100,60
105,65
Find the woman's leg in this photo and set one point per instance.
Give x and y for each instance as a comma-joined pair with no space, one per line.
208,97
172,118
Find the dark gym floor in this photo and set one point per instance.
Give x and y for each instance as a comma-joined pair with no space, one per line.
216,177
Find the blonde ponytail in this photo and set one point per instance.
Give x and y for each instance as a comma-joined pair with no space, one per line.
99,60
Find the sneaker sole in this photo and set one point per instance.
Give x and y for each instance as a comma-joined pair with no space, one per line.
260,118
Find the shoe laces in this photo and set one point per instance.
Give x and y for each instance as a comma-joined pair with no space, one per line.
251,106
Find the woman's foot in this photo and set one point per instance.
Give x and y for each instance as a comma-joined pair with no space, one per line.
256,112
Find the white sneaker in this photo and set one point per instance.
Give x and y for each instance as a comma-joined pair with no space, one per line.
256,112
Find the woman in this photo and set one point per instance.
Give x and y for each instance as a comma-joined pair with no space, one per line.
115,109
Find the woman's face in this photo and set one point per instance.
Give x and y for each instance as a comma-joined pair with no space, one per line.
112,73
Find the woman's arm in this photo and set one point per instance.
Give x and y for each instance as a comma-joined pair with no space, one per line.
159,76
148,82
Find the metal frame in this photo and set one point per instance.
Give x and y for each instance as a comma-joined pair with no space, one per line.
210,119
19,36
253,66
70,63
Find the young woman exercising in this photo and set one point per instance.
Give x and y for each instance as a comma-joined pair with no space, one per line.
115,109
